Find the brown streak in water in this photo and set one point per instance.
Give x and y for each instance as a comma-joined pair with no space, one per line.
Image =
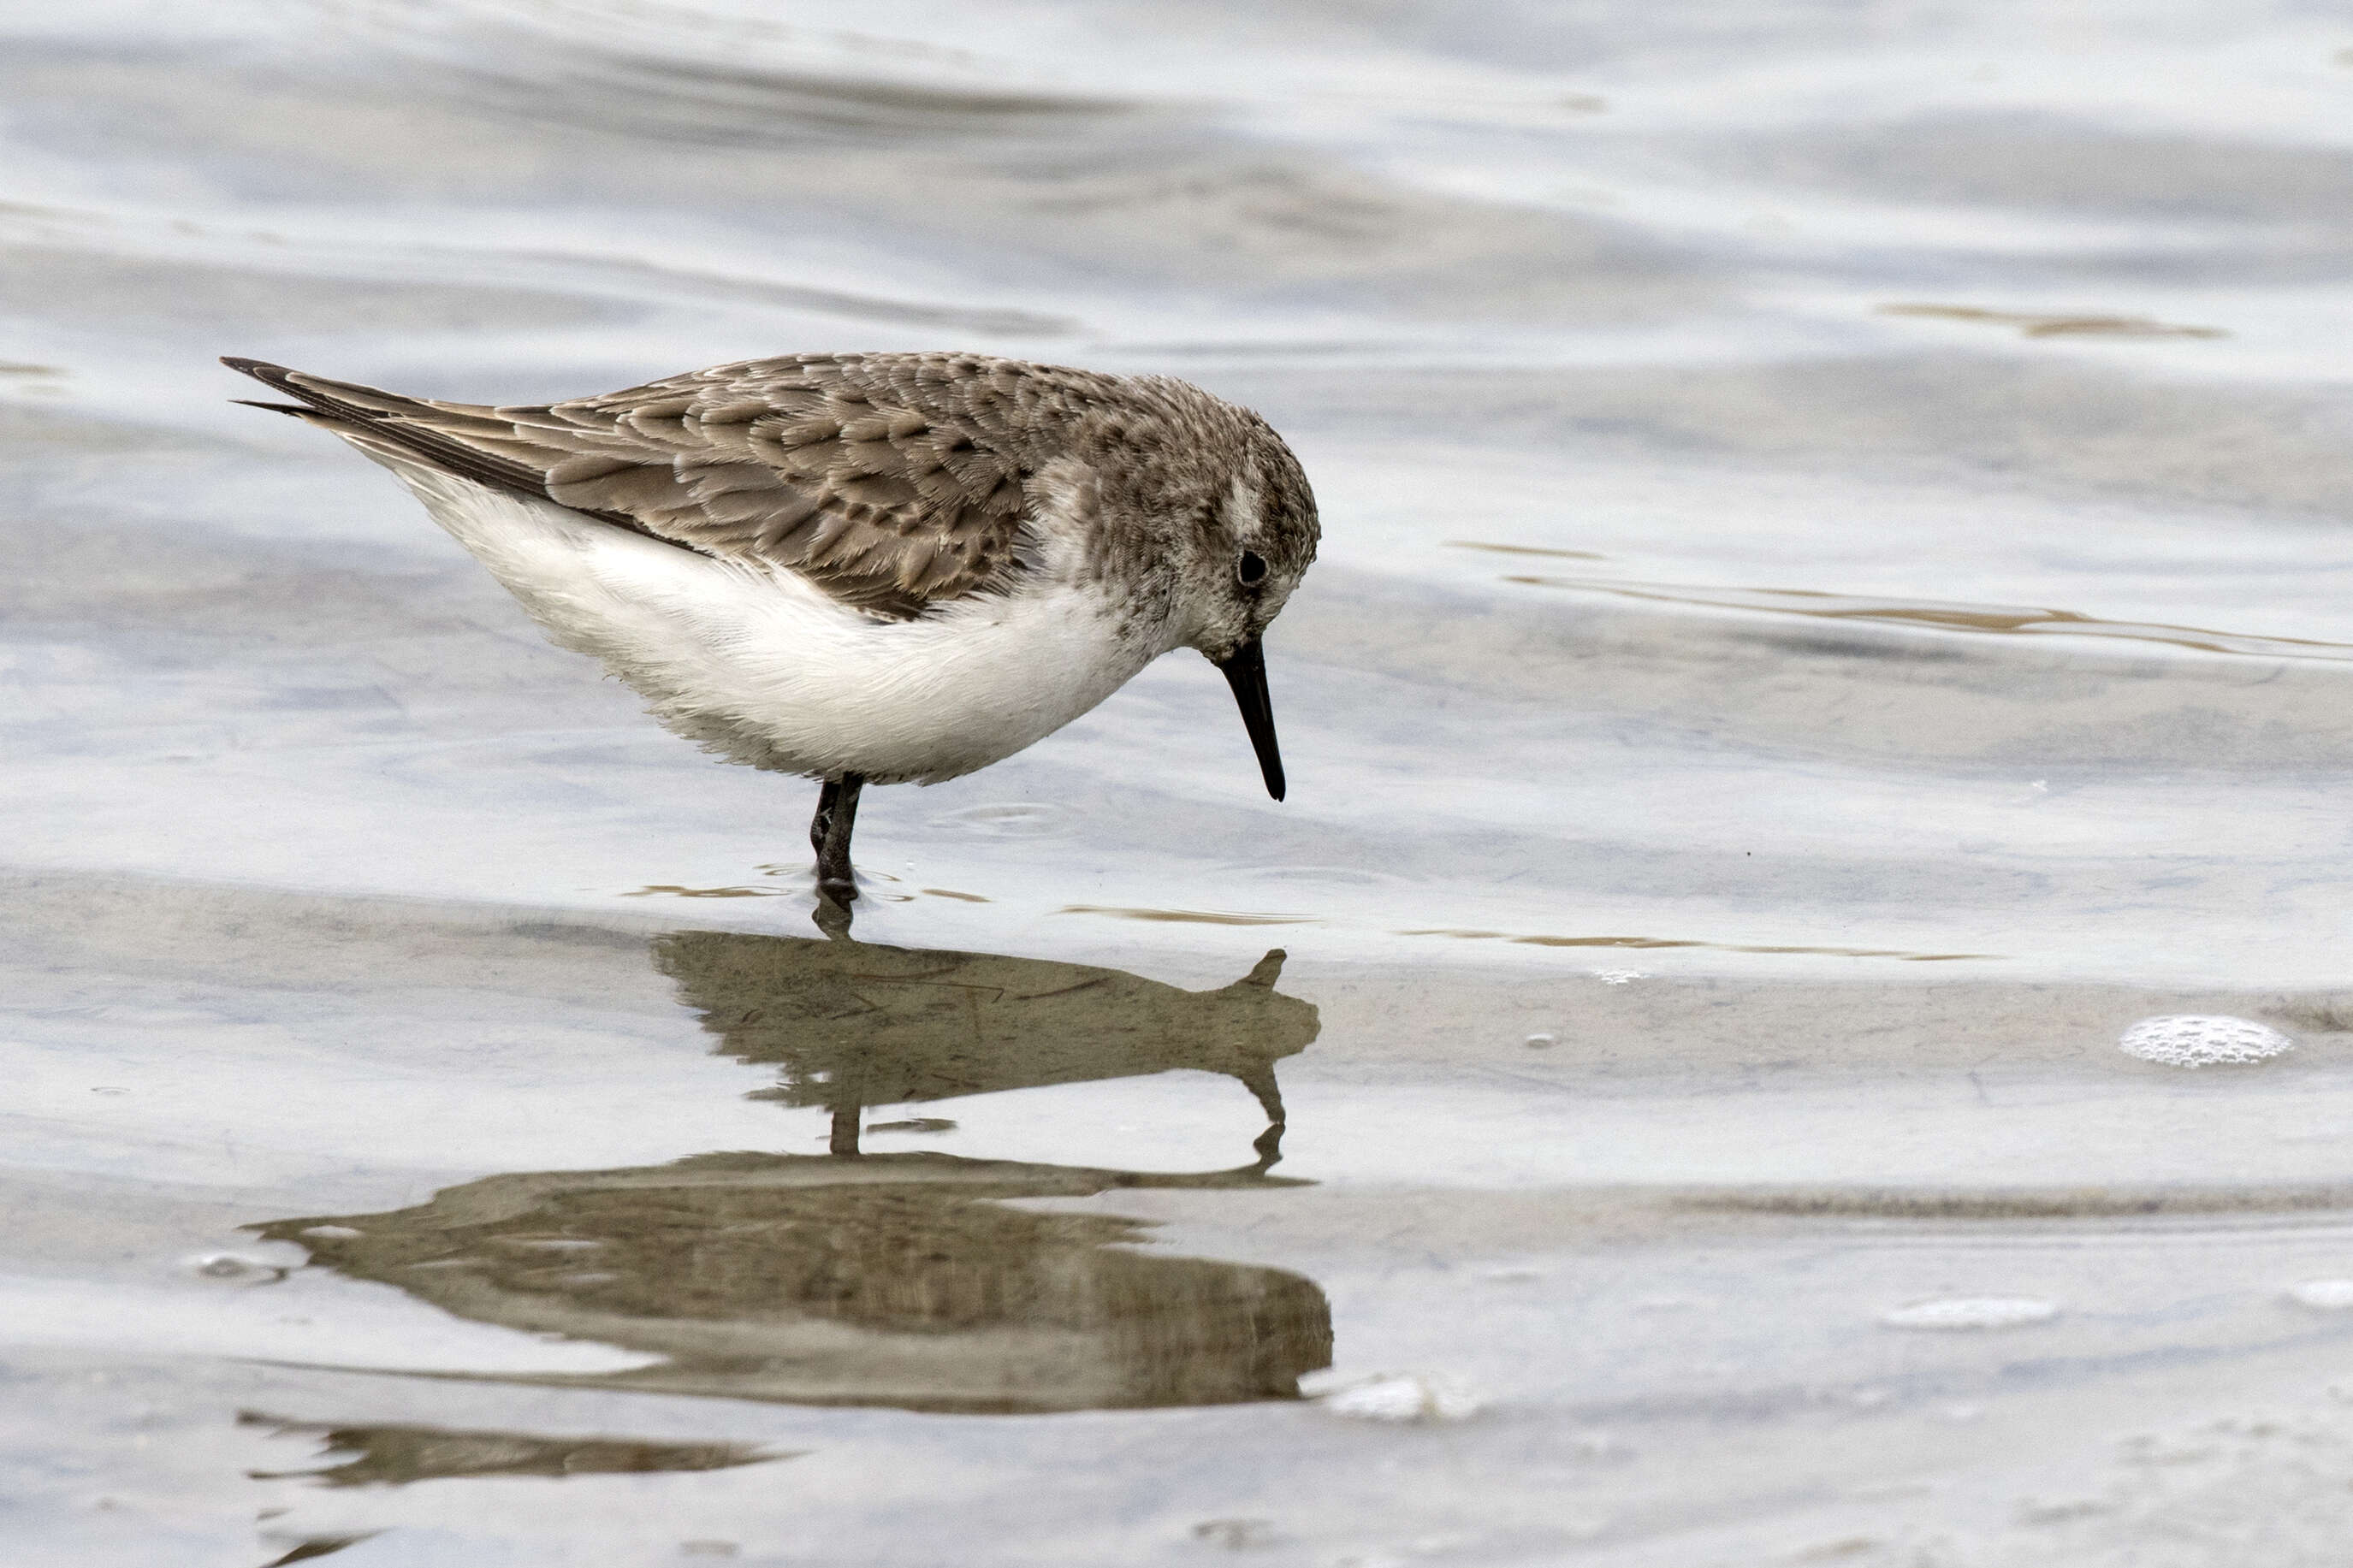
1189,917
952,893
1652,941
2040,324
1523,549
1952,617
2058,1203
1877,952
320,1546
678,892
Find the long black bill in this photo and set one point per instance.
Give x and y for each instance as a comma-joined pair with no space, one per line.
1246,673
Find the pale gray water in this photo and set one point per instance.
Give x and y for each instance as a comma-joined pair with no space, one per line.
1834,604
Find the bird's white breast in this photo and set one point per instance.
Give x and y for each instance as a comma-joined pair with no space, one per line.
763,666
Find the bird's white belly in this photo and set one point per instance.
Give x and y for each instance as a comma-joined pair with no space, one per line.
768,670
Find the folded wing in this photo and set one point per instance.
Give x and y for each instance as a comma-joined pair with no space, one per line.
877,477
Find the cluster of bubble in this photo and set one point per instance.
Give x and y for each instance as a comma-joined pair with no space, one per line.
1972,1312
1404,1398
237,1271
2324,1295
2196,1040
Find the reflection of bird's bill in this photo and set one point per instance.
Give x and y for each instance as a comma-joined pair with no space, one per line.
856,1024
1245,671
904,1280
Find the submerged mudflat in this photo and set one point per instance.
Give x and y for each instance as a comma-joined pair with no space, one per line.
1832,610
337,1218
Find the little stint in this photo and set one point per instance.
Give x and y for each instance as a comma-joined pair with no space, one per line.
865,568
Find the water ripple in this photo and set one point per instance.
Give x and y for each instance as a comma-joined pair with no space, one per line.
1950,616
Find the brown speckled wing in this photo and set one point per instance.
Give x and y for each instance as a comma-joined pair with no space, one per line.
892,481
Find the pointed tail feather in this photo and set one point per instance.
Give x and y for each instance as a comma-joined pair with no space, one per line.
408,424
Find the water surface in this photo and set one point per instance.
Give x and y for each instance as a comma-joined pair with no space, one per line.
1833,606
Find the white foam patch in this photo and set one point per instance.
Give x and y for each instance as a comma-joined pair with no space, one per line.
2196,1040
233,1269
2326,1295
1402,1397
1953,1312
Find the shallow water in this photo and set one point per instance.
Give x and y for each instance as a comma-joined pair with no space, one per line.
1832,608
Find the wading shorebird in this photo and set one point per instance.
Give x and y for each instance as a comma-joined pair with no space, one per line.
865,568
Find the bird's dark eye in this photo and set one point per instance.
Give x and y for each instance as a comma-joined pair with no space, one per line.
1250,570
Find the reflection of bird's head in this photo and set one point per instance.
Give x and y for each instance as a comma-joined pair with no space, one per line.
856,1022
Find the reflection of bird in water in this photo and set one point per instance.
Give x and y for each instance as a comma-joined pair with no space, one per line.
386,1454
863,568
855,1025
900,1279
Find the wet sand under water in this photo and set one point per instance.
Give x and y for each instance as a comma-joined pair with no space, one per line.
1834,604
341,1218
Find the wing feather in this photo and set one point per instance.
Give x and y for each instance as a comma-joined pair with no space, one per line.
893,481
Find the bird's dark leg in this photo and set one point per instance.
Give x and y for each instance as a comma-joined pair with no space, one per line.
1261,1082
828,795
830,830
842,1142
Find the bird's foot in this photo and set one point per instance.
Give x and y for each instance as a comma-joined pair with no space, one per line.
832,919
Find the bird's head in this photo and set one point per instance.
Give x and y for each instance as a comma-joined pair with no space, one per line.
1252,538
